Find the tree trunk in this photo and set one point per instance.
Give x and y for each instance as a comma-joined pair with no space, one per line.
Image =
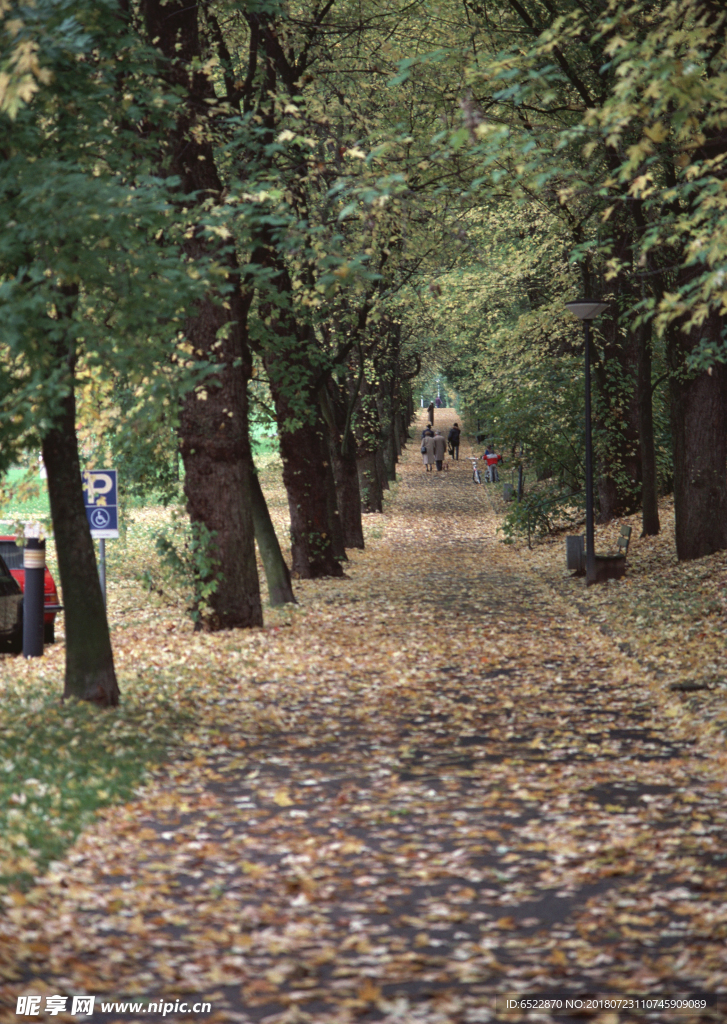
214,439
336,399
372,496
218,464
397,419
699,437
345,472
409,416
649,491
368,453
277,574
616,414
389,446
334,517
381,469
90,671
617,423
308,482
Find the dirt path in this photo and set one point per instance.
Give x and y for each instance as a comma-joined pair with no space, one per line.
434,789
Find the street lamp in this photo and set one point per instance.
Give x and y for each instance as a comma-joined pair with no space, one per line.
587,310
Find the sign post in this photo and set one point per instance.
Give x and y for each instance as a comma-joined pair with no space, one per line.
100,496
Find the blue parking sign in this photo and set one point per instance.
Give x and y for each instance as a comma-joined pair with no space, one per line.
100,496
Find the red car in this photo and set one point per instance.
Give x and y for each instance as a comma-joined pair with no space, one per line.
12,555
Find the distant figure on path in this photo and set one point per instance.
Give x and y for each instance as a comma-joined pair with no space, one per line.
453,439
430,410
427,430
428,451
440,448
492,459
438,402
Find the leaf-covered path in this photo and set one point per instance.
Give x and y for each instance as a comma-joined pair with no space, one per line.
430,787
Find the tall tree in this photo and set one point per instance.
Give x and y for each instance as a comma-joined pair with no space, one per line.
214,436
308,94
75,267
669,104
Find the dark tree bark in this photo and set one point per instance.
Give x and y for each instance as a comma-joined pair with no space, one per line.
389,453
699,399
317,543
90,673
277,574
214,437
699,437
372,495
367,432
617,417
308,480
388,386
217,460
345,472
645,395
407,415
382,470
343,458
338,543
313,552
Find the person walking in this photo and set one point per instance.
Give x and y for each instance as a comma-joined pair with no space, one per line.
440,447
428,450
485,455
453,439
492,459
430,410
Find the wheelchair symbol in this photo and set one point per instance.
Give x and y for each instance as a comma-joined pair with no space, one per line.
100,519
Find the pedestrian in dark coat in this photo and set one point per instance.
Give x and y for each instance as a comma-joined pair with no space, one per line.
453,439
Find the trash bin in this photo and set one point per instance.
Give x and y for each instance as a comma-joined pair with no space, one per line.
575,553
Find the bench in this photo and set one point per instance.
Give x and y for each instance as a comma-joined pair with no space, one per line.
613,567
608,567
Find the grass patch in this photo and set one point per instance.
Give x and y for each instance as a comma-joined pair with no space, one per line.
60,764
25,494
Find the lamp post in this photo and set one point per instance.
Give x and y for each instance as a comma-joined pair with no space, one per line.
587,310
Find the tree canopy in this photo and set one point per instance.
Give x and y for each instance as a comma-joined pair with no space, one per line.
330,199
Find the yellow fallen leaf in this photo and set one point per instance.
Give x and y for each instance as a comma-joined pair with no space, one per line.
137,926
256,870
369,991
